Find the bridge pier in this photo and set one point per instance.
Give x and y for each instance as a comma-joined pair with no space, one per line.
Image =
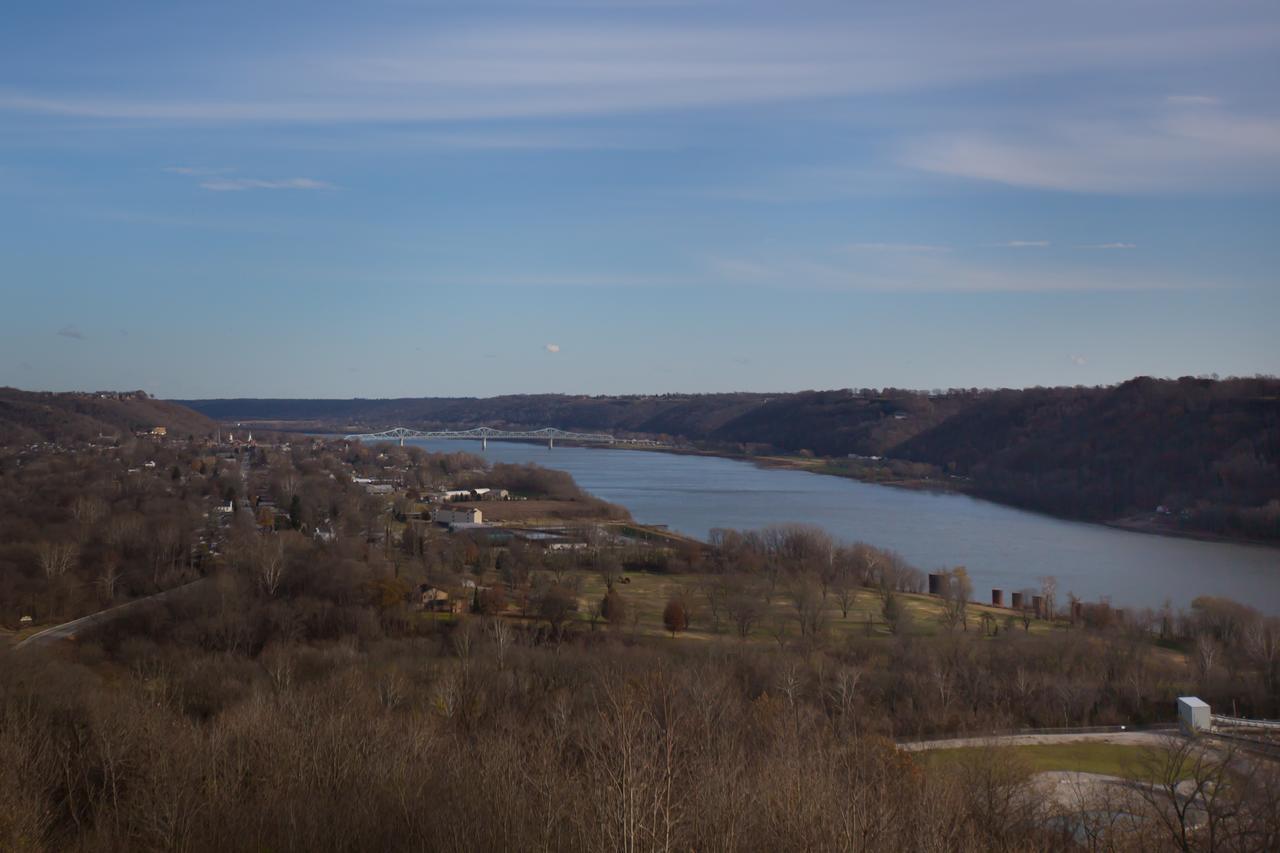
484,442
551,442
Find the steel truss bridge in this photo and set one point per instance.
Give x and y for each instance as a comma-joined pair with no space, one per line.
484,434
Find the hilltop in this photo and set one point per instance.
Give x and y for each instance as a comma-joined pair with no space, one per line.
31,416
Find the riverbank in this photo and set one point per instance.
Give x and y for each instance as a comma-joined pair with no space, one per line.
1147,523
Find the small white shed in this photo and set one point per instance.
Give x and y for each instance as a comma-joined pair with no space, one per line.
1193,715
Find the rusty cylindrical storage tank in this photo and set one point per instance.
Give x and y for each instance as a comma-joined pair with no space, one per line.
935,583
997,598
1016,602
1037,604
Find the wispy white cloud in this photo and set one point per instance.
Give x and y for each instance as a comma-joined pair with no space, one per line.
1022,244
552,348
1193,100
479,70
926,273
895,247
194,171
1180,149
238,184
1078,360
71,331
1110,246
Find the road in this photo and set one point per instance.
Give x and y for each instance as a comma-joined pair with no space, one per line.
70,630
1143,738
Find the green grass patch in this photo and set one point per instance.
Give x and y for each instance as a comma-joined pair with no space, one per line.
1124,760
646,595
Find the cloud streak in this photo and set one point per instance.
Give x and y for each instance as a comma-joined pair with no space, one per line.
240,184
1176,150
71,331
896,247
483,71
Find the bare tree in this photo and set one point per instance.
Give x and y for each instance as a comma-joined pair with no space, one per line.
57,558
1206,653
1194,793
88,510
268,564
957,589
109,576
1049,594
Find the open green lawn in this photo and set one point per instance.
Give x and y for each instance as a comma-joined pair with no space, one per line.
1126,761
647,594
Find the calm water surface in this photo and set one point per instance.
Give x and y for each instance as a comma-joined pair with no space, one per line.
1000,546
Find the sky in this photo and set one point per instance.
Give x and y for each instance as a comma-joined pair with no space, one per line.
335,199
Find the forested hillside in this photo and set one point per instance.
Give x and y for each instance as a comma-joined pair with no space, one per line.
30,416
1207,451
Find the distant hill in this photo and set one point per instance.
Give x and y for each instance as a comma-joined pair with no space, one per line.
1207,451
825,422
30,416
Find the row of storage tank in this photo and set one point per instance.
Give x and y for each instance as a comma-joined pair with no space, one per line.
1017,600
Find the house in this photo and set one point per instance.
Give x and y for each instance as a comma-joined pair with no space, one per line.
457,495
435,600
460,515
159,431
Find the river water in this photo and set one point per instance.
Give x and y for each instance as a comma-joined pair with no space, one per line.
1000,546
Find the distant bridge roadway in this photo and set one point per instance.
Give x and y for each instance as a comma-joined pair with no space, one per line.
483,434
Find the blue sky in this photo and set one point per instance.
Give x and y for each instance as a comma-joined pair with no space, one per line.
417,198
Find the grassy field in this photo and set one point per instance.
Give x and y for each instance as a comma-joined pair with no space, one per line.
646,596
1109,759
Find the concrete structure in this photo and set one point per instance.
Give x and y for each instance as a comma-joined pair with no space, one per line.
1194,715
937,583
1037,604
459,515
1016,602
997,598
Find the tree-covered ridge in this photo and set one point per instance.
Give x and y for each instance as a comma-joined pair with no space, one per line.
32,416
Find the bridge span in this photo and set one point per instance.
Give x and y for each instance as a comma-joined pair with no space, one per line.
484,434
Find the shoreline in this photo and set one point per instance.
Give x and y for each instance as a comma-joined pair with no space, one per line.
822,465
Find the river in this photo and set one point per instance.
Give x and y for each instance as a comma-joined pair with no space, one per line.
999,545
